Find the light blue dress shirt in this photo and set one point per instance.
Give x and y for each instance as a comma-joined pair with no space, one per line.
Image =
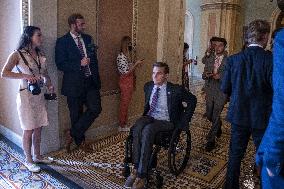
161,111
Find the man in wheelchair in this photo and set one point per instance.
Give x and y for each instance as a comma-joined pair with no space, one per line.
167,106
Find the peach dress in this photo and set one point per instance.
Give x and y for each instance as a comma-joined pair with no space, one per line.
31,108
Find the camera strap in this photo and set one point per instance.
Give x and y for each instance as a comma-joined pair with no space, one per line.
37,62
26,62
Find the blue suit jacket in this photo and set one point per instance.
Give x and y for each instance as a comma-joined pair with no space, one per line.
247,80
271,150
179,115
68,60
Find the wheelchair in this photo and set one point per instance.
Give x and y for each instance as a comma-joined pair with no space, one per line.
178,145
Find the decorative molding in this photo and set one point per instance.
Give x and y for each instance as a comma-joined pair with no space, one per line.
12,136
110,93
134,28
216,6
25,13
190,26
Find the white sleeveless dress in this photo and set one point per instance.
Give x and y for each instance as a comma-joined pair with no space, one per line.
31,108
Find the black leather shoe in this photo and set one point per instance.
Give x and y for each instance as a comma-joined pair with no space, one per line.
219,133
210,146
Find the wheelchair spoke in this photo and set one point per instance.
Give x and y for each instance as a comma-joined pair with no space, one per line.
179,152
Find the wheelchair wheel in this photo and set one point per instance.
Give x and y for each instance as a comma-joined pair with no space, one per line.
179,151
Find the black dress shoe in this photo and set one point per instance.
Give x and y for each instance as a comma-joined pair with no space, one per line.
219,133
210,146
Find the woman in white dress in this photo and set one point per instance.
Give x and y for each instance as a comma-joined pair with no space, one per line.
31,69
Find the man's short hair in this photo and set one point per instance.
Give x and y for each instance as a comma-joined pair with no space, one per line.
214,38
223,40
73,17
256,30
162,65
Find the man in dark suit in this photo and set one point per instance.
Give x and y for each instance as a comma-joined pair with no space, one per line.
247,80
270,155
75,55
166,106
215,98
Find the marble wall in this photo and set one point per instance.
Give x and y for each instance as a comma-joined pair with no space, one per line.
44,15
9,37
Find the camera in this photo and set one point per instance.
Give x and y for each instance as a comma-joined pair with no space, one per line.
34,88
50,96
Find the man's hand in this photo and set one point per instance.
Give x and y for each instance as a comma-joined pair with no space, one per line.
85,61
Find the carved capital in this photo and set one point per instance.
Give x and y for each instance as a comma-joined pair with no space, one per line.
220,5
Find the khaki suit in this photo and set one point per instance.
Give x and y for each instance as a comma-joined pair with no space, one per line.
215,98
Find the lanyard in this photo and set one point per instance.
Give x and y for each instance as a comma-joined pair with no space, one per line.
37,62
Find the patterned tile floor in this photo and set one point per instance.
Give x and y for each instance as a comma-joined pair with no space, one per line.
103,168
14,175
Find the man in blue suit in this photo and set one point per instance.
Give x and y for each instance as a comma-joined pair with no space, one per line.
75,55
247,80
270,155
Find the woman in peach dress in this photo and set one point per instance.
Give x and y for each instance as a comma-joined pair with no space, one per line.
31,68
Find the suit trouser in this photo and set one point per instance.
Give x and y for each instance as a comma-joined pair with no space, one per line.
240,135
126,85
144,132
214,108
81,120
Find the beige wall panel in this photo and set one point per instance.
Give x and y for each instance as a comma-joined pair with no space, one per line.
9,38
85,7
175,40
114,22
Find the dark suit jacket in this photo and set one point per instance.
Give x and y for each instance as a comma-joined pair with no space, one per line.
247,80
271,150
68,60
179,115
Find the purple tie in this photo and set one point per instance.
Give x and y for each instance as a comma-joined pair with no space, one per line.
154,102
86,69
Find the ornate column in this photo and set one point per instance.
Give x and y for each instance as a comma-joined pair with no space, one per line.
222,18
171,36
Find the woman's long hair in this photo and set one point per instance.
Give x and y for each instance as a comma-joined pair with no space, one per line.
26,38
124,44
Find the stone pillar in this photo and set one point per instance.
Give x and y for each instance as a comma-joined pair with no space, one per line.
171,36
223,19
44,15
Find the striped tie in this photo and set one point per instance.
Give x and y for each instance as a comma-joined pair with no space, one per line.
86,69
154,102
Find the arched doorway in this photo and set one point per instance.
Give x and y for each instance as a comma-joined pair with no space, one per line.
277,21
188,32
188,38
